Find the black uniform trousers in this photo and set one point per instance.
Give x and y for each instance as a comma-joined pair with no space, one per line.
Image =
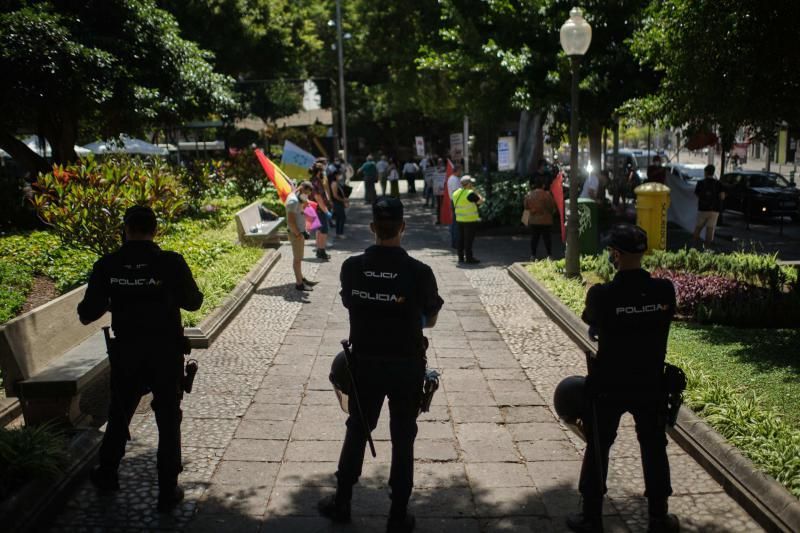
399,379
649,415
135,370
466,237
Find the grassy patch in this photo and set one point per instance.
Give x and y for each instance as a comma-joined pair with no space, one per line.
207,241
15,282
744,382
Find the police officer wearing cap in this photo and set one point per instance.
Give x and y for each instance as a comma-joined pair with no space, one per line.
145,288
630,318
391,297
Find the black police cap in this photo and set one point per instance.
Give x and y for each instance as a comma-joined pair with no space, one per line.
139,212
626,238
388,209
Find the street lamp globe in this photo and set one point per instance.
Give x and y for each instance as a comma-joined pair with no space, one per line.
576,34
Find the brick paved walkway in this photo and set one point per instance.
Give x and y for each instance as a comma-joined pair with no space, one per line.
262,431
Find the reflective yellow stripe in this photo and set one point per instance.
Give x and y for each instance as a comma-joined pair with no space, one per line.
466,211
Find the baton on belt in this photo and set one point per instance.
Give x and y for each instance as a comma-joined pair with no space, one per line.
348,357
598,454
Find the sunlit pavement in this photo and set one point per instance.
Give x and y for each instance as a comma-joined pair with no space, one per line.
262,430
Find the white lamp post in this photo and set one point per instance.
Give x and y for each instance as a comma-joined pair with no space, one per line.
576,35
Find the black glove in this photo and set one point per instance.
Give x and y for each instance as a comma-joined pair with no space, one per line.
593,333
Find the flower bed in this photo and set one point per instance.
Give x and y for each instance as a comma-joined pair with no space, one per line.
741,381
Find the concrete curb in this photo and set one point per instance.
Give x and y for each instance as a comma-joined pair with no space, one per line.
10,409
30,508
209,329
766,500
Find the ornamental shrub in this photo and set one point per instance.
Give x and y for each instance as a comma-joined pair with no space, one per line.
29,453
504,206
84,203
247,176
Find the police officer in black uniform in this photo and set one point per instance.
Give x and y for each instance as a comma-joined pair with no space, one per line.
144,288
391,297
630,318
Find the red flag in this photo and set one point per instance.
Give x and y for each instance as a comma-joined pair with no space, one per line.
557,190
446,211
281,182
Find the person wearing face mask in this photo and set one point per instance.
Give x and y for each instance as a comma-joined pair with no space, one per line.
390,297
630,318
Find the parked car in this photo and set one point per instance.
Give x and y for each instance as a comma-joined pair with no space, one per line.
638,159
761,194
690,172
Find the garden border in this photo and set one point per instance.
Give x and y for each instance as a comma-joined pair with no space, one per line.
767,501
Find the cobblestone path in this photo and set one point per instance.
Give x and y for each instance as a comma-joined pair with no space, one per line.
262,431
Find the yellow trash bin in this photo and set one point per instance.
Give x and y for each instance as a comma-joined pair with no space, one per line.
652,202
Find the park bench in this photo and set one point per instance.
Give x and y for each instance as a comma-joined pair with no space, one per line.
48,358
253,230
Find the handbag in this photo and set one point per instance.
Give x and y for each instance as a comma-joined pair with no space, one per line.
526,217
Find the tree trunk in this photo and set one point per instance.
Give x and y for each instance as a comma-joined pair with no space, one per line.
32,162
62,133
530,145
595,142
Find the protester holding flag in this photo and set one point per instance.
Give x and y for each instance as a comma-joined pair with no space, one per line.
557,190
296,223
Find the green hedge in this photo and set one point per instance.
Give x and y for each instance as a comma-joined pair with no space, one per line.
742,382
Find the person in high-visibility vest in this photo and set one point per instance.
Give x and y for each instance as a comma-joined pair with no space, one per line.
466,201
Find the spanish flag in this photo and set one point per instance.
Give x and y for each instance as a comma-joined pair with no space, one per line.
281,182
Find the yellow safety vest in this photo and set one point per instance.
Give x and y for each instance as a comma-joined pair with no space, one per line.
466,211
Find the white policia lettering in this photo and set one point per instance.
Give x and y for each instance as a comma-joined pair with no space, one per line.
364,295
135,282
382,275
649,308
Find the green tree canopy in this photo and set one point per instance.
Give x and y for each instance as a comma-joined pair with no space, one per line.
115,66
726,63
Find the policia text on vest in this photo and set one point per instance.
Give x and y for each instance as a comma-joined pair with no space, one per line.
145,288
390,298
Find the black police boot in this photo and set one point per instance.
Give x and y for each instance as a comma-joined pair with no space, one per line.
337,509
666,523
168,498
583,523
104,480
473,261
400,522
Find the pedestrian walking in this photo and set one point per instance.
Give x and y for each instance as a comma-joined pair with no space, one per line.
541,206
630,318
453,184
439,177
383,173
295,206
410,172
393,177
428,172
710,196
340,203
466,201
384,285
369,171
145,288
